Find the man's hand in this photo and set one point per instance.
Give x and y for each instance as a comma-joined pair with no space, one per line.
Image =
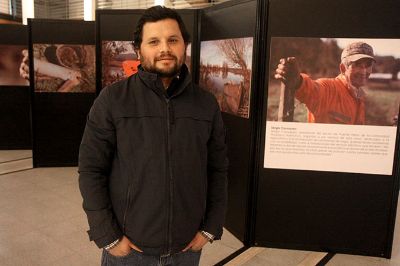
123,248
24,67
288,72
197,243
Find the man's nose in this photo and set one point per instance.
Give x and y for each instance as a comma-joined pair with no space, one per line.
164,46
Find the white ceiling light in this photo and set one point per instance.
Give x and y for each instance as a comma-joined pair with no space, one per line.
28,10
89,10
159,2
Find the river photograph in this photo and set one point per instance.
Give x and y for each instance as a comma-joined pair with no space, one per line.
225,71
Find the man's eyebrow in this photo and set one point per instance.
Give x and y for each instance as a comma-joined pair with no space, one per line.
156,38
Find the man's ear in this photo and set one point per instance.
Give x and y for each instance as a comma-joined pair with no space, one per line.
342,68
137,51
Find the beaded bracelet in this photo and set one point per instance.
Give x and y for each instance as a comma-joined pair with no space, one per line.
112,245
207,235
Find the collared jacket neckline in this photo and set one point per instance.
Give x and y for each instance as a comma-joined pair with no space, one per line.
153,81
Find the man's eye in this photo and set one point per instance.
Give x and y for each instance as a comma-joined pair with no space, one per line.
154,42
362,64
173,40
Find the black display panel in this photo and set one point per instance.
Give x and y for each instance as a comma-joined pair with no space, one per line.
228,80
343,211
15,125
63,88
114,43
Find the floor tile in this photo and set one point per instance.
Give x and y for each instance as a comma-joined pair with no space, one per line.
42,223
51,178
75,260
70,192
10,155
15,180
42,214
33,248
342,260
11,227
80,221
67,234
18,165
214,253
278,257
245,256
92,253
230,240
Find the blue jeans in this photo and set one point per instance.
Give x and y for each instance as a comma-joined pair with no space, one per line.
135,258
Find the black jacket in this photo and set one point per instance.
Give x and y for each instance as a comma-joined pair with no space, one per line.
153,167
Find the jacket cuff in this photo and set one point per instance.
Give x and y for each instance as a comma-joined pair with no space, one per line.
103,236
214,230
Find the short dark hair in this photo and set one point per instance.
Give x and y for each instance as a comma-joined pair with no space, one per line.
154,14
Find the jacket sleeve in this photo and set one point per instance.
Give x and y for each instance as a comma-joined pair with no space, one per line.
315,94
217,168
96,153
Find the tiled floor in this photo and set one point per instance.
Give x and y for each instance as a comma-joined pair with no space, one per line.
42,223
15,160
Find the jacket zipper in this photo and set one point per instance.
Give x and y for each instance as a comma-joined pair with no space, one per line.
170,214
126,208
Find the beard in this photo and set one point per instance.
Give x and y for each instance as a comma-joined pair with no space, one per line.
166,71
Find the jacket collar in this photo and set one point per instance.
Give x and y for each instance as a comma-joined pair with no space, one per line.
154,82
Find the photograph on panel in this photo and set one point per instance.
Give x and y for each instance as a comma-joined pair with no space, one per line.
338,81
119,60
188,58
343,94
10,61
225,71
64,68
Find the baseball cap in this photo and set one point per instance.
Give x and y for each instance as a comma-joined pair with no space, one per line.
357,50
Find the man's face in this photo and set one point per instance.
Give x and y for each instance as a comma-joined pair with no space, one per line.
357,73
163,49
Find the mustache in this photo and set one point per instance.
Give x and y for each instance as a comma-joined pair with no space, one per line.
165,56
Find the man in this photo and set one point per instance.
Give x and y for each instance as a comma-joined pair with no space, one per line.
337,100
152,160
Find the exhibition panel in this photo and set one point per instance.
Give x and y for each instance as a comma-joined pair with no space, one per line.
226,69
15,125
328,175
62,54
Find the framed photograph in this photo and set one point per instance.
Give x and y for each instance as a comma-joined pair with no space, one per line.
64,68
345,104
119,61
225,71
10,61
